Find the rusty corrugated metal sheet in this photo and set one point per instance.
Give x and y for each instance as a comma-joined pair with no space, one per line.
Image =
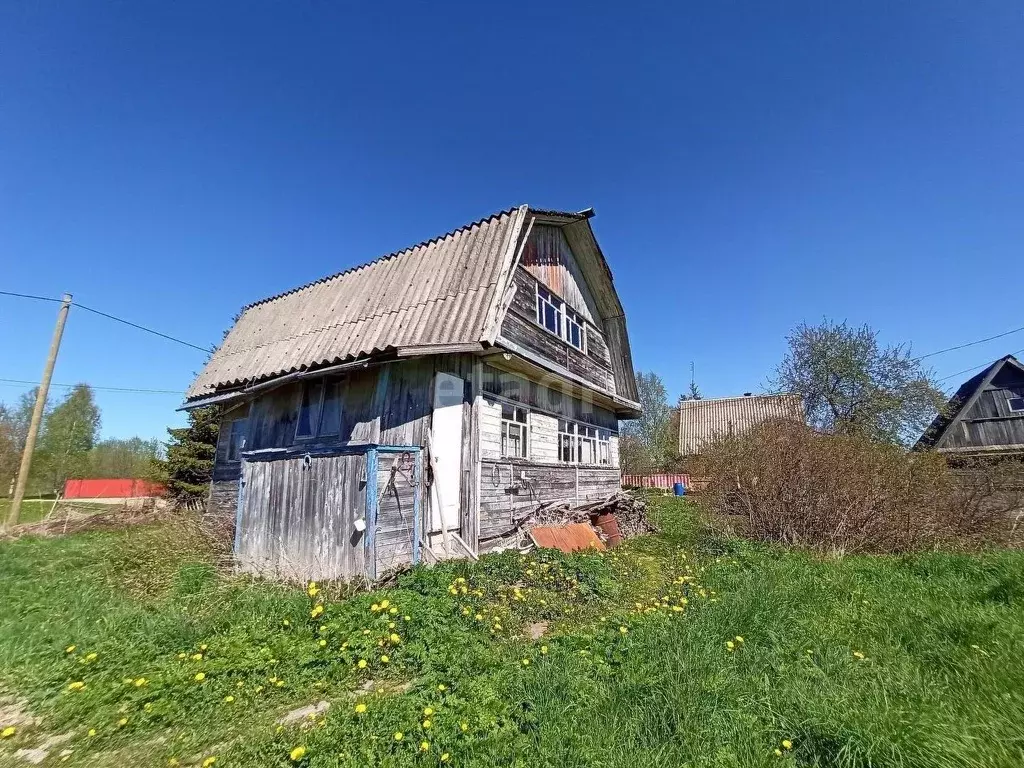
567,538
702,420
442,291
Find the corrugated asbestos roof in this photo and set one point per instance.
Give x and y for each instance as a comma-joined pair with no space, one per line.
702,420
441,291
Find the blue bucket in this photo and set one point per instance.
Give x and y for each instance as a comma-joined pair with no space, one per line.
679,489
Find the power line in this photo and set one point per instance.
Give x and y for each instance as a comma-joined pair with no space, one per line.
970,344
110,317
976,367
13,382
28,296
141,327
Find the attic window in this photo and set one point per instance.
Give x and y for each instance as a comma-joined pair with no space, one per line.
319,409
1016,404
565,323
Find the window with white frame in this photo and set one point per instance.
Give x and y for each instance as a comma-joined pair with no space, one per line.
583,444
553,315
549,310
1016,404
515,438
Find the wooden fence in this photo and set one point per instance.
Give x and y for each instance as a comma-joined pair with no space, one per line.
655,481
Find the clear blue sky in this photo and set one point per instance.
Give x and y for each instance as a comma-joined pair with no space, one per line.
753,165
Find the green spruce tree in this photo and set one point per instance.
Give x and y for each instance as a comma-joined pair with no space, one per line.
190,453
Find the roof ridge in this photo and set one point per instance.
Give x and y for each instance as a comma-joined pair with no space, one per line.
739,397
379,259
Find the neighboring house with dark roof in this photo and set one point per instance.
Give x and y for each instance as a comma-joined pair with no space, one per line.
420,400
700,421
985,417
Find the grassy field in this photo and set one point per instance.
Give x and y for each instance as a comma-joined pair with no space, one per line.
681,649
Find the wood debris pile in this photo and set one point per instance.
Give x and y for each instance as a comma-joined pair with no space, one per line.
630,512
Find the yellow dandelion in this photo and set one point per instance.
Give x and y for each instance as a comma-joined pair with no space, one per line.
393,610
424,746
92,732
229,699
297,754
313,590
407,618
7,732
787,744
526,662
209,761
464,727
384,659
91,656
395,638
122,722
200,676
203,647
362,664
77,686
428,711
322,643
544,649
70,649
730,645
141,681
384,604
317,610
778,753
427,723
360,708
739,639
374,608
858,655
445,757
442,687
623,630
279,683
197,657
286,623
399,735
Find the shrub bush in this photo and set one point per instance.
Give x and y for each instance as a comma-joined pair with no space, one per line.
842,493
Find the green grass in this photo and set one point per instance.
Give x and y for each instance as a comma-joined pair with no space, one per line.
620,679
34,510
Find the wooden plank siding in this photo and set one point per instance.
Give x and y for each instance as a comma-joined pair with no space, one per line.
520,327
397,490
504,493
298,518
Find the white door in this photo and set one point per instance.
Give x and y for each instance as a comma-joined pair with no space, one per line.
446,445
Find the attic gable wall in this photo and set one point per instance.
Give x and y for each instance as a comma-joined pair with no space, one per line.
548,257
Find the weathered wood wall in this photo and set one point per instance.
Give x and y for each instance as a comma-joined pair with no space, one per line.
548,258
298,518
396,531
520,327
389,404
504,493
990,423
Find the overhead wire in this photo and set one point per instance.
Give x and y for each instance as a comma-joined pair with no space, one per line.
970,344
110,317
137,390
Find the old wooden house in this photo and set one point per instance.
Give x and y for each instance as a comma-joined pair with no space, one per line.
413,405
985,417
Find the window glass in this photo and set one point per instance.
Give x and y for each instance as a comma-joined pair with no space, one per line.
514,432
309,408
236,439
1017,404
330,414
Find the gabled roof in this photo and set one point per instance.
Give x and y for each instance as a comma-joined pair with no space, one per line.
442,294
961,402
703,420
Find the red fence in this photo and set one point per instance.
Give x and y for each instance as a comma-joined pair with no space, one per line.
655,481
102,488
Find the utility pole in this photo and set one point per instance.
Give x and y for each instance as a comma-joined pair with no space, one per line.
37,414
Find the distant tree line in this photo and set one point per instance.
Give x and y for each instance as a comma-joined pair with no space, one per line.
68,445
